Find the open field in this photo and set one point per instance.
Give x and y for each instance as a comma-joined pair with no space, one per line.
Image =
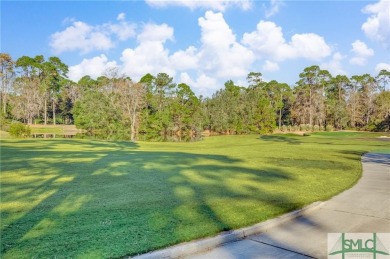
53,129
64,198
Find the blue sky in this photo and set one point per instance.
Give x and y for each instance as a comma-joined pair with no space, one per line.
202,43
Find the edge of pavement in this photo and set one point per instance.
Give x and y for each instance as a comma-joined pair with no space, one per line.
203,245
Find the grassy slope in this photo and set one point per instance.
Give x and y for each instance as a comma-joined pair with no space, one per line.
4,135
82,198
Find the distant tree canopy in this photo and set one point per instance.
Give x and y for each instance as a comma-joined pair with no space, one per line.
35,90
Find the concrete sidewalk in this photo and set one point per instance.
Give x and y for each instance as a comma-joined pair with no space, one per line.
365,208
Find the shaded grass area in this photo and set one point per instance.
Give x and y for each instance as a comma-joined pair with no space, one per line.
90,199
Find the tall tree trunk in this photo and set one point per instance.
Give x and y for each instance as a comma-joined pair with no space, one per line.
310,109
54,113
4,102
133,123
45,115
29,119
353,122
280,118
133,131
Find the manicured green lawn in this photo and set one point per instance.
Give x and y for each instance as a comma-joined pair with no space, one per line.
41,129
91,199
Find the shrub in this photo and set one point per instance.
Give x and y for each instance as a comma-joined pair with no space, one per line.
329,128
305,127
19,130
4,122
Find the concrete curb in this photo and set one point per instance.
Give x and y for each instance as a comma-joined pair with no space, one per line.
206,244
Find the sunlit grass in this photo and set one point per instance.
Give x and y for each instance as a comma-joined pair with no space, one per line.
4,134
92,199
42,129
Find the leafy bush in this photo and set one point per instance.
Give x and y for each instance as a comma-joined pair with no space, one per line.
19,130
4,123
305,127
329,128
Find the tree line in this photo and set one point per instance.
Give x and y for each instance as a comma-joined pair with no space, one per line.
37,90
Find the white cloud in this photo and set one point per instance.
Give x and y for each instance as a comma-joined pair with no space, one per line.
221,55
80,36
217,5
203,85
382,66
309,46
154,32
377,26
86,38
141,60
268,42
334,66
219,58
150,56
360,48
185,60
270,66
121,17
122,30
215,31
274,8
93,67
361,53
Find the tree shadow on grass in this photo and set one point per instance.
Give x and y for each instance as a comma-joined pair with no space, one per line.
308,163
355,155
70,198
289,139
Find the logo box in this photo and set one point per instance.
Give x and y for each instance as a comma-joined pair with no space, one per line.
359,245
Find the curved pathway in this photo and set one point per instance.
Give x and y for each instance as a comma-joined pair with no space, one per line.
365,208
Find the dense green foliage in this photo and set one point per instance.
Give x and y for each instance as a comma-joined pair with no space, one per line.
19,130
172,112
237,110
157,108
94,199
91,115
